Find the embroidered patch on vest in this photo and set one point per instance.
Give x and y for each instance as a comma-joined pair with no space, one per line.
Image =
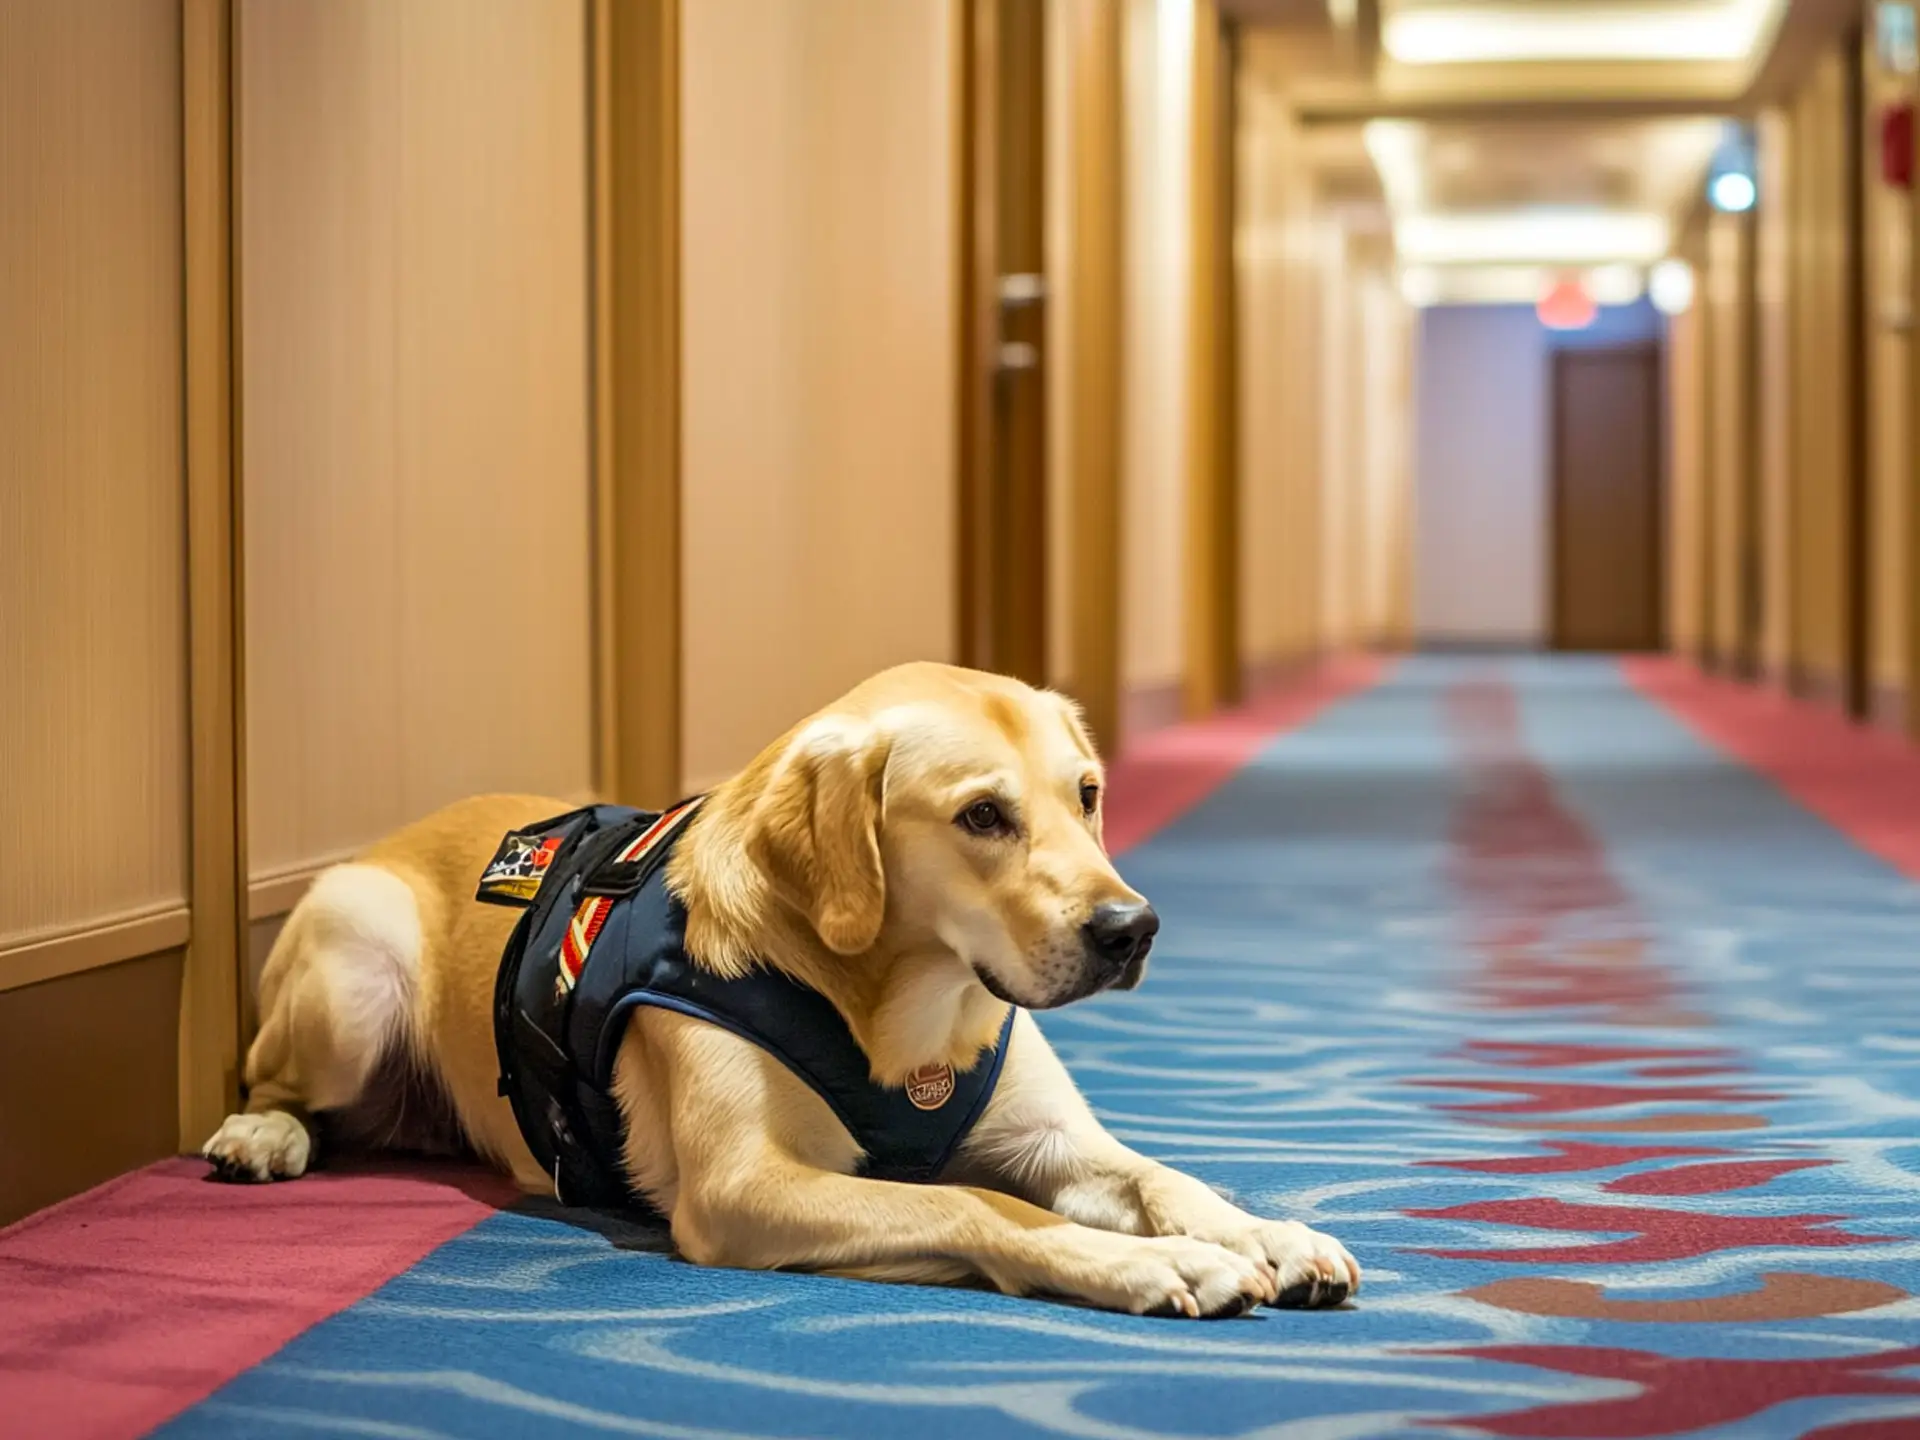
931,1086
518,867
591,914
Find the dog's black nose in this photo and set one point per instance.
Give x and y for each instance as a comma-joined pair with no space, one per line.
1121,934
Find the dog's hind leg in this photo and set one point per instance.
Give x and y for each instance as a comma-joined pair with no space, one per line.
337,993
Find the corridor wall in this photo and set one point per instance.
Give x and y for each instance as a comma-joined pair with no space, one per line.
1270,190
1687,473
1888,258
413,356
1819,481
1326,349
1734,578
1774,429
1824,374
1158,103
94,793
818,376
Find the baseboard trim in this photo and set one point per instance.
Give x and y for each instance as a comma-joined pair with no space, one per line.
93,945
1147,708
1259,676
1822,687
1890,708
278,892
1474,645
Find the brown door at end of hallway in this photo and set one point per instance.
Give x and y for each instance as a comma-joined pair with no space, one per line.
1606,557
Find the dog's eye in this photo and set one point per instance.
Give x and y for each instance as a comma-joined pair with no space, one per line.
983,817
1089,796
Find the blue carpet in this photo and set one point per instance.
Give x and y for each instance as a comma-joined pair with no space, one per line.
1474,958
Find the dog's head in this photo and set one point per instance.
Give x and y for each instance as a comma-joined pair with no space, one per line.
939,809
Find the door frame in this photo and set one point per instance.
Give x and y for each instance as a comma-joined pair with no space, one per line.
215,1002
634,201
1647,352
1094,334
1856,558
1000,519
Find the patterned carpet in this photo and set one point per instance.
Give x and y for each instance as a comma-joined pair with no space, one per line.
1597,1045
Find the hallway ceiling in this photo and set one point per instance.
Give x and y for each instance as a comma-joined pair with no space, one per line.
1516,139
1586,31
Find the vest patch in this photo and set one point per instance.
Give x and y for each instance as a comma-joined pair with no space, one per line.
518,867
931,1086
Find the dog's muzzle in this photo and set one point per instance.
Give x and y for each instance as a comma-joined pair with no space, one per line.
1117,940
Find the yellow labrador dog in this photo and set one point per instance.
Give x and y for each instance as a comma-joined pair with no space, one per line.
921,861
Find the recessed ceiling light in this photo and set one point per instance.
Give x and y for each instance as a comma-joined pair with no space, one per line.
1548,237
1616,284
1419,286
1465,34
1671,287
1733,191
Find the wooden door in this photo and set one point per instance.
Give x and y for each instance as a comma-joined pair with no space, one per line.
1003,420
1607,499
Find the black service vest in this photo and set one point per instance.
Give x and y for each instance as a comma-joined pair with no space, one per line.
602,935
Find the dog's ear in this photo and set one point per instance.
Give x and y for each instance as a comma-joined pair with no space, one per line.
816,831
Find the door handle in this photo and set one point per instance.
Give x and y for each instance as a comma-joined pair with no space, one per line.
1019,291
1016,357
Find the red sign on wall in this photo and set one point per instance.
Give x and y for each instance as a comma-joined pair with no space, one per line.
1567,306
1896,145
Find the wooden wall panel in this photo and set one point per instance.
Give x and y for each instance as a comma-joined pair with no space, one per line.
1385,416
1823,368
1158,179
1337,434
1305,312
1325,415
1086,252
1266,150
415,370
818,364
1889,317
67,1121
1066,20
1729,296
1773,299
92,590
1686,487
1211,593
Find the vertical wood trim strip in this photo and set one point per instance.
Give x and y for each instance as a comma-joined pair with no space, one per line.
637,392
599,67
1099,304
1750,545
1226,302
1913,477
1018,539
210,998
1706,504
1557,527
960,61
976,219
1210,676
1856,574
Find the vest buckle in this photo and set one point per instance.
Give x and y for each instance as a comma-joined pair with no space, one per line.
616,880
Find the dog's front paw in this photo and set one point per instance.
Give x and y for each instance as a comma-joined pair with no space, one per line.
269,1146
1175,1275
1310,1271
